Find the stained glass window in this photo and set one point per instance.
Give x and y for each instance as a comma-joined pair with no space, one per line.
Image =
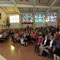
51,17
27,18
40,17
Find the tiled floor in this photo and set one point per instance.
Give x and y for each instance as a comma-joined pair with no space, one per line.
17,52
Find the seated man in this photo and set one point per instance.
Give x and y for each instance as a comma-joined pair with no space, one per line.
45,43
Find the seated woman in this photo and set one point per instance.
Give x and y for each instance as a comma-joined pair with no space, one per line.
57,51
35,36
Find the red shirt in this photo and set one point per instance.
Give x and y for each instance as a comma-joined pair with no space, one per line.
39,42
20,35
34,35
57,34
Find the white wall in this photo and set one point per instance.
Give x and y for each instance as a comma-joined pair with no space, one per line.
45,24
39,25
15,25
52,24
3,17
25,25
19,25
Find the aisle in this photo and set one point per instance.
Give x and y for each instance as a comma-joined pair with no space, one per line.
17,52
2,58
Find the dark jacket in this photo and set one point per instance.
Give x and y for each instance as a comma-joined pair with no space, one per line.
47,43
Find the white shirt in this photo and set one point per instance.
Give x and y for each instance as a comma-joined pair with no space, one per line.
59,32
51,42
45,41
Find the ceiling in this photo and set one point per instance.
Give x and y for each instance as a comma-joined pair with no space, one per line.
10,10
29,6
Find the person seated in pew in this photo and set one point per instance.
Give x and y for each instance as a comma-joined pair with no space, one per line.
57,33
28,37
40,41
55,36
12,36
20,35
44,44
31,35
57,50
34,36
16,37
5,34
25,39
49,49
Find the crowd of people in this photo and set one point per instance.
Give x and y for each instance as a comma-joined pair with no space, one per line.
47,40
4,35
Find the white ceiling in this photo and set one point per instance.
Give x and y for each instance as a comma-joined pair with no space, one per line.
23,6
